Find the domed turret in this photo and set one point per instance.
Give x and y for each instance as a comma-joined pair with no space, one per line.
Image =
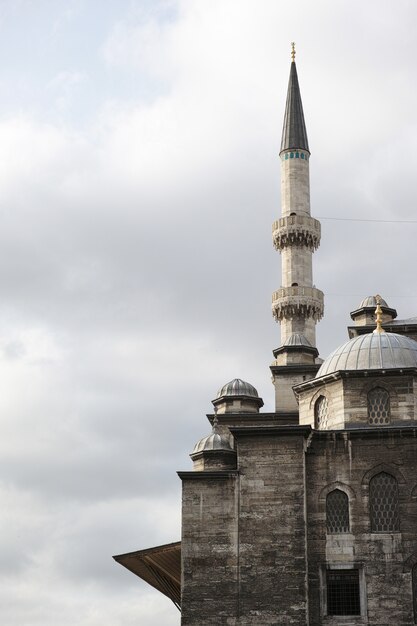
237,396
364,315
371,302
214,441
369,380
237,387
214,451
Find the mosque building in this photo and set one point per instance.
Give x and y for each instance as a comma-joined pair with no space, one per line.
308,515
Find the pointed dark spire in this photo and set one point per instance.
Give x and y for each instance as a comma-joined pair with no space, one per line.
294,134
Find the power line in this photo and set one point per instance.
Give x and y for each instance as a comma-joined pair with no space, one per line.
359,295
355,219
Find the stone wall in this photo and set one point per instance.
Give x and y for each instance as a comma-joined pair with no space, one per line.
256,548
209,548
348,461
272,557
347,398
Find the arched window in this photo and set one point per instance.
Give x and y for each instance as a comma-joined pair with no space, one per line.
320,413
379,412
383,504
337,512
414,590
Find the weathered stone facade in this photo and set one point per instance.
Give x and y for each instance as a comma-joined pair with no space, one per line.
316,523
348,460
256,549
308,515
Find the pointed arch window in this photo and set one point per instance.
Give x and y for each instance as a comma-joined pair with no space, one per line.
320,413
383,503
379,410
337,512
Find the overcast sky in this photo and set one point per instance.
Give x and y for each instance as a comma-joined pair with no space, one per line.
139,177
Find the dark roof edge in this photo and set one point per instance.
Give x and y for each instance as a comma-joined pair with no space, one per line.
296,348
338,374
296,367
270,431
385,309
166,546
255,399
371,431
204,474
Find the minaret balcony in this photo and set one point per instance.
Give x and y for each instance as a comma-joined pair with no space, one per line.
296,230
297,302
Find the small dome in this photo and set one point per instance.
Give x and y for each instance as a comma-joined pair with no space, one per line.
370,302
372,351
297,339
214,441
237,387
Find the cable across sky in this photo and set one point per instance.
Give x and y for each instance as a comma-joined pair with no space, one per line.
357,219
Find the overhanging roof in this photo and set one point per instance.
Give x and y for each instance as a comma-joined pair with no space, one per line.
159,567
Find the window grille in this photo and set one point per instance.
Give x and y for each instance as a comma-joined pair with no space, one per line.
320,413
343,596
337,512
383,504
414,590
378,406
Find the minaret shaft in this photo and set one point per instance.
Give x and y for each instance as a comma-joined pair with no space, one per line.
295,184
297,305
296,269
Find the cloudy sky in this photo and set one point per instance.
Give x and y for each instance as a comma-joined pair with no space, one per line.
139,177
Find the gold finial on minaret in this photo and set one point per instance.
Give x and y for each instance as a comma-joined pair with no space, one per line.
378,312
293,51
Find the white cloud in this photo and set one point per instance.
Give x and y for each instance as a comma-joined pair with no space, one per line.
136,265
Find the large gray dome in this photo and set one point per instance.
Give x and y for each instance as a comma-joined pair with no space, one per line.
372,351
237,387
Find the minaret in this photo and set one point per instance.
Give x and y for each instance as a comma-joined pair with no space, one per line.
297,305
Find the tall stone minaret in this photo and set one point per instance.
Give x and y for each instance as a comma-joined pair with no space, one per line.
297,305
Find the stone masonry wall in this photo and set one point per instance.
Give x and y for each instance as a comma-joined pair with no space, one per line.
348,400
285,399
348,461
272,572
209,549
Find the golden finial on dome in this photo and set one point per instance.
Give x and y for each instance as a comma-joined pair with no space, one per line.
378,312
293,51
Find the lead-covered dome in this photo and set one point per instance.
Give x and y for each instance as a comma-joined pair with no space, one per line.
371,302
214,441
215,451
237,387
237,396
372,351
